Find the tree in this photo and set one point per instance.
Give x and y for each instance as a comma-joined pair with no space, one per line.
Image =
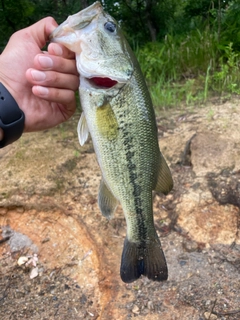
141,20
18,14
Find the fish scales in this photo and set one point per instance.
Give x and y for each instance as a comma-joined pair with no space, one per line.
118,113
134,146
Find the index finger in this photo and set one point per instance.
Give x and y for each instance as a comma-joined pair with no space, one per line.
60,50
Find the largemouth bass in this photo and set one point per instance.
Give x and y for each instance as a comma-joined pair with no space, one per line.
118,113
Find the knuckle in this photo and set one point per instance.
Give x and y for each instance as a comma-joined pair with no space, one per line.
53,78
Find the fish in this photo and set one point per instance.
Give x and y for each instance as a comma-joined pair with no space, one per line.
118,113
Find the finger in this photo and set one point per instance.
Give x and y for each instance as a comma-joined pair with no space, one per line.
65,97
53,62
52,79
59,50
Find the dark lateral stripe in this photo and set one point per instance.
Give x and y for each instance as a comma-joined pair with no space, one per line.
137,190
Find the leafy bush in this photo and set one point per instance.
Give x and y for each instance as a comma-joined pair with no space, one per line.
189,69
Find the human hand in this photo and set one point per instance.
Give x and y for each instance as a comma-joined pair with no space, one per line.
42,83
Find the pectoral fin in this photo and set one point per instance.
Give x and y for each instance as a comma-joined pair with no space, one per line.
164,180
106,201
82,130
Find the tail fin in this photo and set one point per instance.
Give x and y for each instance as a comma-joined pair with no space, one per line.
148,260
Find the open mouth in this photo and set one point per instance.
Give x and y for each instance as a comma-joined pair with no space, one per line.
103,82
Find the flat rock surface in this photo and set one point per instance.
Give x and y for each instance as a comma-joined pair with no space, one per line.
49,212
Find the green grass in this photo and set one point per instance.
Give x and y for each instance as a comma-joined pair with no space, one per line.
189,70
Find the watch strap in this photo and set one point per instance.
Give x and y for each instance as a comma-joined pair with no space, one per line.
11,117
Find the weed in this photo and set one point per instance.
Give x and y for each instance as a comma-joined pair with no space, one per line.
76,153
189,70
210,114
227,78
206,82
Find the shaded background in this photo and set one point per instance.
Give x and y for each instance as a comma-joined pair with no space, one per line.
188,50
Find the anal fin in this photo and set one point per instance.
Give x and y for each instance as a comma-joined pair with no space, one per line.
106,201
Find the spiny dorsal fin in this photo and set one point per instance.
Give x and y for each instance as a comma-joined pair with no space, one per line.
82,129
164,180
106,201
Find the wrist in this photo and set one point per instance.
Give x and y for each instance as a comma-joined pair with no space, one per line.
1,134
11,118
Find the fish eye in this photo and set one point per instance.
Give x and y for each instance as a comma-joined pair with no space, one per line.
110,26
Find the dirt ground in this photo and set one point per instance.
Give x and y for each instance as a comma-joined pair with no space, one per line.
49,212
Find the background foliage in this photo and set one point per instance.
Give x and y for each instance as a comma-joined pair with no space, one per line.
189,50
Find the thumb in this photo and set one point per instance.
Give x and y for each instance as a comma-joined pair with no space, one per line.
40,31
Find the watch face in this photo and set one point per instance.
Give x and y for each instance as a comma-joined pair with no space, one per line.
11,118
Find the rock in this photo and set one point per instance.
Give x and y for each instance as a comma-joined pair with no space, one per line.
211,152
34,273
22,260
3,211
209,224
56,182
150,305
135,309
210,316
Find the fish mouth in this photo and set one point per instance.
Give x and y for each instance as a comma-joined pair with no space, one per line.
102,82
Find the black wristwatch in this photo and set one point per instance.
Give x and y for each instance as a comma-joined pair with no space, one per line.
11,118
